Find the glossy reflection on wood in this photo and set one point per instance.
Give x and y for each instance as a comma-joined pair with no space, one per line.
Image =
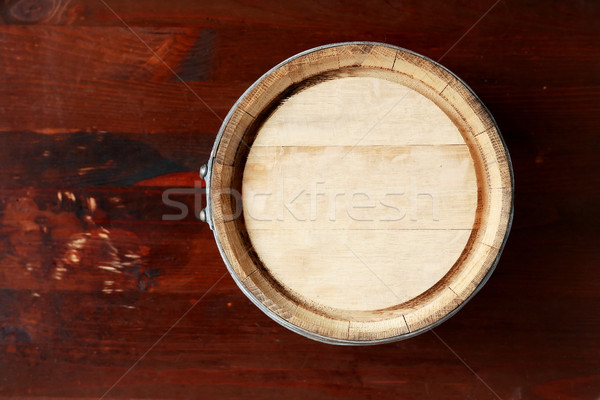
76,83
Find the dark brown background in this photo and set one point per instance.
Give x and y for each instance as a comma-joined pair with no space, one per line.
87,111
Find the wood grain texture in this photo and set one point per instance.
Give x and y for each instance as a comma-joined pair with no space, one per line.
325,117
531,333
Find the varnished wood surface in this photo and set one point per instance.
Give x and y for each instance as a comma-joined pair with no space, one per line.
86,110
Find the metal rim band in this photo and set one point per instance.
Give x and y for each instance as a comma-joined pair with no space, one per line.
208,215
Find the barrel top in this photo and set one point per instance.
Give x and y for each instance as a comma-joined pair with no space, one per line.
360,193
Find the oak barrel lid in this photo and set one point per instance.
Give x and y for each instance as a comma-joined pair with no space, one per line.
360,193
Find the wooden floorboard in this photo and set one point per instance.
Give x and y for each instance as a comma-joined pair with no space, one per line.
88,111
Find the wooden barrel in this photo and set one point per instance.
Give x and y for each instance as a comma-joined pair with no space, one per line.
359,193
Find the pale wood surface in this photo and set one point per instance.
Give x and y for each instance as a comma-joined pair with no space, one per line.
341,218
376,193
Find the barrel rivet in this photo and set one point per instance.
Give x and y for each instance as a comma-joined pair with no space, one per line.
203,171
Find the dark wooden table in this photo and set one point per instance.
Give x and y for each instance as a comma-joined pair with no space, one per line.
104,106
